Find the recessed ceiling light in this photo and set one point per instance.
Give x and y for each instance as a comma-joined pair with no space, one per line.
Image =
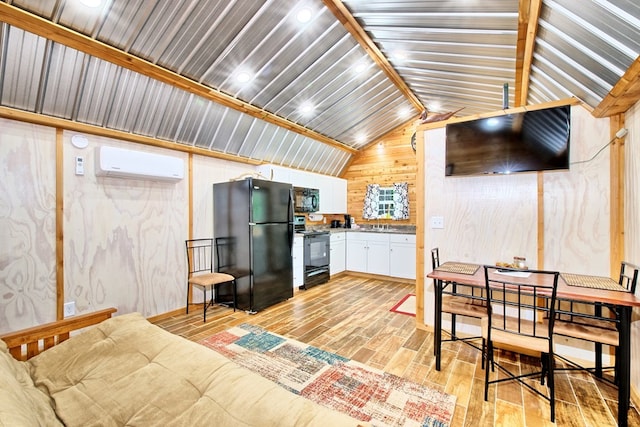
434,106
91,3
404,112
399,55
243,77
360,67
304,15
307,109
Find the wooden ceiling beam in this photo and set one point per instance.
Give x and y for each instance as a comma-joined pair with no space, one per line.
623,95
54,122
34,24
350,23
528,16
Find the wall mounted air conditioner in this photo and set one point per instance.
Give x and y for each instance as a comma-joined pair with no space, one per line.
121,163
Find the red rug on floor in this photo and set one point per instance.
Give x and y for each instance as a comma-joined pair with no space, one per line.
407,305
334,381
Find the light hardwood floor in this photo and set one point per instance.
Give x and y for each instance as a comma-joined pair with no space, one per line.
350,316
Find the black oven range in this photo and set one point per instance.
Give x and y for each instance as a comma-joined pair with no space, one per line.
316,258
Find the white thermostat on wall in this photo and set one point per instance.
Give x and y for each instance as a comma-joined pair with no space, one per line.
79,165
79,141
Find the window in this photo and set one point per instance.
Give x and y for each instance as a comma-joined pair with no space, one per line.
385,202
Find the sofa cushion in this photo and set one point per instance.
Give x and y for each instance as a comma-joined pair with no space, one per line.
21,403
126,371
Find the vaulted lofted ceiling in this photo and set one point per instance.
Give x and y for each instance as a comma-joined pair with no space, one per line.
306,83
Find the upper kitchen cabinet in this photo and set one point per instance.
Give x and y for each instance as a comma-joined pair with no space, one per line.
276,173
333,195
333,191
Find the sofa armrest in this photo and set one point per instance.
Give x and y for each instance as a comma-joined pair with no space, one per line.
26,343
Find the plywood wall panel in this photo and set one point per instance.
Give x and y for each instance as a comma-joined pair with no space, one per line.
27,225
123,238
577,203
632,223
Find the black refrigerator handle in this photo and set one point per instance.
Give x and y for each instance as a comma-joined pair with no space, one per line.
290,220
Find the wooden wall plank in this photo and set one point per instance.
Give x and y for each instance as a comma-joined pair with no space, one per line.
387,160
59,224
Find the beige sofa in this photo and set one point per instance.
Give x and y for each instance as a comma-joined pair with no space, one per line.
126,371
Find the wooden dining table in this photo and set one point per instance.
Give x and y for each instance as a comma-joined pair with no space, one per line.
472,275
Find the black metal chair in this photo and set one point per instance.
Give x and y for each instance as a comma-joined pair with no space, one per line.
201,275
456,300
597,323
520,317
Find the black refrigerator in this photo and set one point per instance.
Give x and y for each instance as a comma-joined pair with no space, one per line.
253,232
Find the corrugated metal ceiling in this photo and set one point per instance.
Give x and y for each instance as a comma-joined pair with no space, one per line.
168,69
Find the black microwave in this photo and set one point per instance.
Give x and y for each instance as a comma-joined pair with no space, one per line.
306,199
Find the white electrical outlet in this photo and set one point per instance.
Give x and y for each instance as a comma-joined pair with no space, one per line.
437,222
69,309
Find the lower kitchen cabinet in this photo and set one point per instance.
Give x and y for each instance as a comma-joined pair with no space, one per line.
402,255
387,254
337,258
298,261
368,253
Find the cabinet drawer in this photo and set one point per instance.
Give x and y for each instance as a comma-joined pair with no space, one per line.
402,238
369,237
337,236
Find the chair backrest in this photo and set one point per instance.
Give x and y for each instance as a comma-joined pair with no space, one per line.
199,256
435,258
521,302
628,276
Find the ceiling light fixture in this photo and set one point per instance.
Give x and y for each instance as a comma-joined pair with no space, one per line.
360,67
399,56
91,3
307,109
243,77
434,106
404,112
304,15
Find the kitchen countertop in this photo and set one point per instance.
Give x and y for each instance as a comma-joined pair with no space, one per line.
398,229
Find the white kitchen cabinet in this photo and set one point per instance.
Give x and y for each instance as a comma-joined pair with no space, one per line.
368,252
337,258
298,260
339,196
402,255
276,173
333,190
356,254
333,193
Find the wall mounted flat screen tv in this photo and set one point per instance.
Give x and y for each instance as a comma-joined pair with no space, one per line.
536,140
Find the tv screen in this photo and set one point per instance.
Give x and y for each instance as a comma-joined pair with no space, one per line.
521,142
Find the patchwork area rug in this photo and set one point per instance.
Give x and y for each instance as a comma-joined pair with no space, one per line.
331,380
407,305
